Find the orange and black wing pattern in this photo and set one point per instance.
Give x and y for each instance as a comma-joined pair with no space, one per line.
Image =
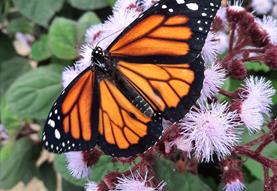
123,129
159,54
169,88
172,31
70,123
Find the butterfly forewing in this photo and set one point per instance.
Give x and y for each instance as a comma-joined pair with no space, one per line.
172,31
70,123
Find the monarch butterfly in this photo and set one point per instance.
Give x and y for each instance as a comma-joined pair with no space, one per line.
152,71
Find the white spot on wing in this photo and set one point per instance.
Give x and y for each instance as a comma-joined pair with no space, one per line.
164,7
180,1
51,123
57,134
193,6
170,10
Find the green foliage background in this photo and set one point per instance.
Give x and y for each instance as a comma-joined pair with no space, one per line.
27,93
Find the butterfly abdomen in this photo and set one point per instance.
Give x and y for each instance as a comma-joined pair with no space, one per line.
143,106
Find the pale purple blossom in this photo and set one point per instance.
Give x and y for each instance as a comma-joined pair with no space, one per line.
222,14
211,129
261,6
136,183
213,81
68,75
236,185
94,34
76,165
274,10
210,49
236,6
269,24
91,186
257,100
182,143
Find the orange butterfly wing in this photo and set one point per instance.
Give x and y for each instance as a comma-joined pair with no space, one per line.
159,54
123,129
69,124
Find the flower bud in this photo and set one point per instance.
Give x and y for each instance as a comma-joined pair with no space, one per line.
235,13
232,175
258,35
237,69
271,56
91,157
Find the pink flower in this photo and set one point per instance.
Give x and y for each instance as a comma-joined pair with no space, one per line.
136,183
211,48
236,185
257,100
213,81
91,186
94,34
261,6
211,129
269,24
77,165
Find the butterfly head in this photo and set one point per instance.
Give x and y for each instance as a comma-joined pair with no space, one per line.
97,55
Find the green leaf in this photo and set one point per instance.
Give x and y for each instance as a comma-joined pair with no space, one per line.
63,38
37,10
40,49
6,151
9,119
10,70
88,19
105,165
32,94
256,185
166,171
257,67
21,165
255,168
270,150
20,24
88,4
47,174
60,165
69,186
111,2
6,49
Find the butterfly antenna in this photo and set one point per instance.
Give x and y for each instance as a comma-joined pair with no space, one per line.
108,36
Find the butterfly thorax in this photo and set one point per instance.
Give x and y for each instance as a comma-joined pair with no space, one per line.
102,61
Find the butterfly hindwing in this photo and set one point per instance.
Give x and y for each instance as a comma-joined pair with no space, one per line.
169,88
70,123
123,129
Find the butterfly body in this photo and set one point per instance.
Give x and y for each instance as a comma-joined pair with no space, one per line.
152,71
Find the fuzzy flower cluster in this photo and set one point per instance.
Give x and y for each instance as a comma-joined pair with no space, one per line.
256,97
263,7
210,129
134,182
